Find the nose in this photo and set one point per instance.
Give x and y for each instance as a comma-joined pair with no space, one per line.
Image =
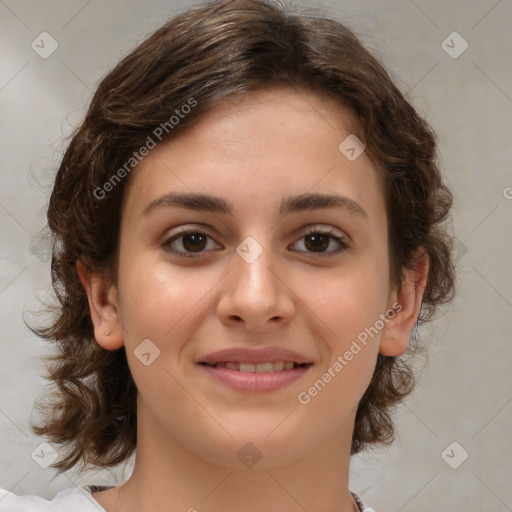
256,293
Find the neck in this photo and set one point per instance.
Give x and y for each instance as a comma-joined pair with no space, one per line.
169,476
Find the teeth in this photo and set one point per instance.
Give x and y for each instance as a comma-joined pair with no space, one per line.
269,367
265,368
247,367
279,366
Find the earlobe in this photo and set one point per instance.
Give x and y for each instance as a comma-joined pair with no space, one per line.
103,306
396,333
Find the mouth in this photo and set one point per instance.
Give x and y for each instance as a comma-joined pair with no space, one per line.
255,370
266,367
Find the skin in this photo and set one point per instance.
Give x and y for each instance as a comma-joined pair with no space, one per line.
253,150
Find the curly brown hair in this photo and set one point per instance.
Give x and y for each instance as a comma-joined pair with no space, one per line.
210,53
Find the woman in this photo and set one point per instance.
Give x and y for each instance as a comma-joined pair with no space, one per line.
248,226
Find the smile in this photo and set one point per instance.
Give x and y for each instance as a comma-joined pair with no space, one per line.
268,367
255,378
255,370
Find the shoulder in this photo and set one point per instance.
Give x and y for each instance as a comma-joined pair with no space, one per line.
78,499
360,504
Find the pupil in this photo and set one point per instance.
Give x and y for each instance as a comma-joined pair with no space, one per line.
197,241
317,241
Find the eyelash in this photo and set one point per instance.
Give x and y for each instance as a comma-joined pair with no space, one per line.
344,245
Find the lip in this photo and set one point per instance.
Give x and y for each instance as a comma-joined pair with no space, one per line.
254,356
254,382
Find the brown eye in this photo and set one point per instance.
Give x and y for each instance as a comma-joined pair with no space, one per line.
319,240
317,243
188,243
192,241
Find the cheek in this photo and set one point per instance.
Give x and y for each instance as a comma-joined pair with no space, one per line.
162,301
164,304
348,306
346,301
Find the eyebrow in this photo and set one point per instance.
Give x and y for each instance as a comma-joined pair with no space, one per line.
291,204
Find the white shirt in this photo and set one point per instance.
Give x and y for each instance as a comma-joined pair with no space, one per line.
78,499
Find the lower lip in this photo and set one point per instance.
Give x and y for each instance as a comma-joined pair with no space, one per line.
255,382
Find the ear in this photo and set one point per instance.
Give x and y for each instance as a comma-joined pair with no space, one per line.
103,305
406,302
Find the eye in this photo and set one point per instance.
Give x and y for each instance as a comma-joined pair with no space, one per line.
193,240
317,240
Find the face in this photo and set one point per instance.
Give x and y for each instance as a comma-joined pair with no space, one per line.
257,278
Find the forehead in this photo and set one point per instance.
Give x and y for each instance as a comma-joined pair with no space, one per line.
259,147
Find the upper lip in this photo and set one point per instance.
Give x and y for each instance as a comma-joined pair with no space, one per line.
254,356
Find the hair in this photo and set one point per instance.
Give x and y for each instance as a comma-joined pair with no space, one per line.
206,54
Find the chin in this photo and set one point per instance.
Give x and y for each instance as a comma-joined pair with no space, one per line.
254,444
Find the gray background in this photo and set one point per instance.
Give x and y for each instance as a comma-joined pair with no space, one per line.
464,393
